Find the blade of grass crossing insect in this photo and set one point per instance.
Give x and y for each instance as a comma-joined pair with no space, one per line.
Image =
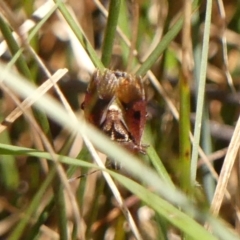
137,168
161,206
114,151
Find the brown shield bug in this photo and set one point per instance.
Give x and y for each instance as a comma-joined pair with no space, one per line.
115,102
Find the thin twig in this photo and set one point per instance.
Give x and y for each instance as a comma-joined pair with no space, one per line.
224,45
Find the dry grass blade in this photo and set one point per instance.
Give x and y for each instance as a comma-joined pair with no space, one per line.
39,157
30,100
40,13
17,112
226,170
224,45
162,92
214,156
114,189
14,218
175,113
50,149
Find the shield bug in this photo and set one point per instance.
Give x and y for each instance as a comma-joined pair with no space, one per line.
115,102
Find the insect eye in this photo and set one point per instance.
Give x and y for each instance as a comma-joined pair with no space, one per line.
119,74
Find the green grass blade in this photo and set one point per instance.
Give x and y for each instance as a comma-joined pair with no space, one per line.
155,160
8,166
23,68
142,172
209,183
201,91
17,232
22,151
35,229
79,34
184,129
168,37
61,208
31,35
123,23
113,13
166,210
13,47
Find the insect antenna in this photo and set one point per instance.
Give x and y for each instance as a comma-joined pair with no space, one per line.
82,176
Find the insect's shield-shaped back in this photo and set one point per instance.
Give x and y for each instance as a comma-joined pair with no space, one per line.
115,103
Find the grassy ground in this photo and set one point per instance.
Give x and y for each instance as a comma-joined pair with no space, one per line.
187,186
